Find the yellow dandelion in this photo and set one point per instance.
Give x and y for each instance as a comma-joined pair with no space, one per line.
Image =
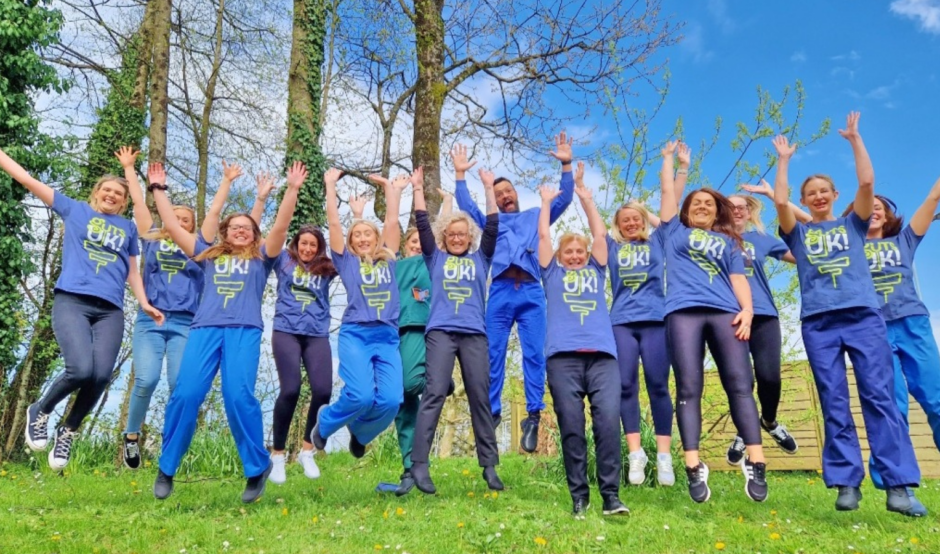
399,511
470,494
315,519
385,514
540,541
740,519
495,495
719,546
770,525
914,540
819,471
147,463
13,477
3,473
56,537
773,512
284,512
95,472
466,472
460,525
378,547
810,481
133,483
486,495
775,536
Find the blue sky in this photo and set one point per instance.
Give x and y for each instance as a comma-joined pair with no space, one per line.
880,58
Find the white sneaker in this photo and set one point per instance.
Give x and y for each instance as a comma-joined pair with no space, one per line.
62,448
310,465
638,461
664,472
278,474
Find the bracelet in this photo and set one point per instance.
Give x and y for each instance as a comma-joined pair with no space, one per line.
157,186
682,172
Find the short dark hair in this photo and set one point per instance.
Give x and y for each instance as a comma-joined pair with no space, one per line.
501,180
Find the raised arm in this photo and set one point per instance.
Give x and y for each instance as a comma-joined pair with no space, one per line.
391,230
595,221
922,218
183,238
764,189
274,242
461,165
422,222
357,205
127,156
491,228
265,183
564,154
137,287
669,201
210,225
782,185
865,196
447,202
684,153
546,249
337,241
42,191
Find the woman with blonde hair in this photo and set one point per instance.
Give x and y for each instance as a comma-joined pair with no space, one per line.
99,256
226,333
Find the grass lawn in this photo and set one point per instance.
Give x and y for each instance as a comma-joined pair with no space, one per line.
95,511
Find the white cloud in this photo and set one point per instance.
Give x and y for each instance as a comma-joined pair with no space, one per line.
842,72
926,12
693,43
718,9
798,56
851,56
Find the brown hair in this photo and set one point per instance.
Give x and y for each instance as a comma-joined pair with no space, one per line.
161,233
724,217
380,252
754,207
224,248
893,222
93,202
644,214
825,178
405,238
320,265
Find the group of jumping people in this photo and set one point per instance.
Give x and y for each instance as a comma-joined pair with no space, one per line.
452,290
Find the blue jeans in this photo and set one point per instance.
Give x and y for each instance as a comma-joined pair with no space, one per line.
153,343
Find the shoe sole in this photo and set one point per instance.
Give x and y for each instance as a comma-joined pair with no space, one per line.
737,463
29,443
619,511
708,494
404,491
55,465
746,481
266,476
666,483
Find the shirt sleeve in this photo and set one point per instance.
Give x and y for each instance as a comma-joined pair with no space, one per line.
792,238
133,247
561,203
425,234
466,203
860,225
776,247
490,234
910,239
62,204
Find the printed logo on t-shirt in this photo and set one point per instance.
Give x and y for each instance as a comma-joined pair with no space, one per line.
751,255
168,260
458,274
579,282
102,240
630,257
705,250
373,276
300,287
882,255
823,249
226,284
420,295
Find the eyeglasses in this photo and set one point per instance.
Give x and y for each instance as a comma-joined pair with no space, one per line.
456,235
739,208
240,228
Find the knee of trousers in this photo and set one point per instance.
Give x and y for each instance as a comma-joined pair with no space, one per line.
360,400
290,395
388,402
415,387
144,388
319,397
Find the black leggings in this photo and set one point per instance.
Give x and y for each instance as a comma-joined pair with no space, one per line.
317,356
765,346
687,333
646,339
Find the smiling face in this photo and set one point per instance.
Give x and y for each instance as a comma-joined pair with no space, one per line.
631,224
412,244
878,216
457,237
240,231
111,197
185,219
307,247
506,198
573,252
703,210
741,212
818,195
363,239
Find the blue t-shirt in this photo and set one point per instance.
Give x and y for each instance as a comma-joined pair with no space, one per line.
458,291
700,266
371,289
96,250
636,280
831,265
578,319
173,281
303,299
891,261
233,290
758,246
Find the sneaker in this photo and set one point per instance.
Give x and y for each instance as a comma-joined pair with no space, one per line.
664,472
37,428
278,472
407,483
254,486
163,486
305,459
356,448
903,501
492,479
530,432
613,506
736,451
781,436
637,473
698,482
316,439
62,449
848,499
131,452
755,479
581,505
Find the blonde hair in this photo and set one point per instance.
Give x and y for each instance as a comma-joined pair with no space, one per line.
162,234
380,252
644,214
568,237
224,248
825,178
754,207
445,221
109,178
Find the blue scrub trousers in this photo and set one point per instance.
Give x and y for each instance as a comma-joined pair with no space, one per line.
916,369
236,351
861,333
373,385
523,303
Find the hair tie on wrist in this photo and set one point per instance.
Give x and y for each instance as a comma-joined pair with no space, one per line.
157,186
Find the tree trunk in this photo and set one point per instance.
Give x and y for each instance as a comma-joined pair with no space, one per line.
159,78
202,128
430,91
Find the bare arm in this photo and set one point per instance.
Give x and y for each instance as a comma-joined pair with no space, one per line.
789,258
764,189
142,216
920,221
670,202
183,238
274,242
447,203
41,190
781,184
546,250
595,221
488,178
684,153
337,241
265,186
137,287
391,230
742,291
864,203
210,225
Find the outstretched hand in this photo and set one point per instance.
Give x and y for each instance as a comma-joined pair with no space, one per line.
685,155
764,189
156,173
851,126
458,154
488,178
417,178
400,182
582,191
784,149
127,156
296,175
357,204
231,172
548,194
265,184
563,152
669,149
331,177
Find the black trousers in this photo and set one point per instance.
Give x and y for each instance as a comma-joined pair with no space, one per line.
572,376
317,356
766,344
473,352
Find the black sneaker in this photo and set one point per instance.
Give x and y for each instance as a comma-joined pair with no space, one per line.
163,486
492,479
316,439
407,483
848,499
62,448
903,501
781,436
581,505
37,428
131,453
613,506
422,478
356,448
698,482
530,432
736,452
254,487
755,479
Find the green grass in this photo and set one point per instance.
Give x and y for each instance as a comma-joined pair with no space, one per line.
103,511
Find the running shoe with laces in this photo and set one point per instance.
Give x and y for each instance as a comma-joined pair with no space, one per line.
278,471
580,508
305,459
637,472
755,479
736,451
698,482
665,474
37,428
132,452
781,436
613,506
62,448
